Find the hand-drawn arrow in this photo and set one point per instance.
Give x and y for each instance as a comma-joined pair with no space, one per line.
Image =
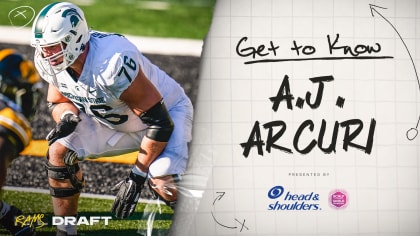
218,198
412,132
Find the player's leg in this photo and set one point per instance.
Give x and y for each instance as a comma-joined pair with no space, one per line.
64,192
65,177
84,142
171,161
9,213
165,172
166,188
62,189
5,157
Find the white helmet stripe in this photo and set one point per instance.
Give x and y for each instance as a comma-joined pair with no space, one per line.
39,21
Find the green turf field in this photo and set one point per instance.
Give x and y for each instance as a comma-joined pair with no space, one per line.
170,18
38,207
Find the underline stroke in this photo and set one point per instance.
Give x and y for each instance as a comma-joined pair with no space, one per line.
319,59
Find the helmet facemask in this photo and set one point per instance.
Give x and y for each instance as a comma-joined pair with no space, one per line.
53,63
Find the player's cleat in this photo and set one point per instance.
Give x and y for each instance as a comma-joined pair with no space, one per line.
8,222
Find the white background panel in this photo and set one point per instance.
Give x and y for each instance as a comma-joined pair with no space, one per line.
381,188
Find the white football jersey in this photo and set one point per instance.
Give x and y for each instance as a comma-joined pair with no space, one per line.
111,65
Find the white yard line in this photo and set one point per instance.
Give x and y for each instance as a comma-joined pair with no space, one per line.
86,195
151,45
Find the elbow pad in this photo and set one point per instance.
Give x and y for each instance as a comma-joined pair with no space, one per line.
159,121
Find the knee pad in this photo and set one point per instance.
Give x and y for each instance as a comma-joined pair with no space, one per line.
69,172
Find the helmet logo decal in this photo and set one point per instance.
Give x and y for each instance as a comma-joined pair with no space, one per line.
74,16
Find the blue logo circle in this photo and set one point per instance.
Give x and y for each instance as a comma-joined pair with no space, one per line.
275,192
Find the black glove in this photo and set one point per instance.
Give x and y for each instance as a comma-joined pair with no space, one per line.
63,128
127,196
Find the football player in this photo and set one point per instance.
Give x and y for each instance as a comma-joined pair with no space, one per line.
20,92
107,99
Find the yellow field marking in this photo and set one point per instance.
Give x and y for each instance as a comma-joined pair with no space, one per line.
38,148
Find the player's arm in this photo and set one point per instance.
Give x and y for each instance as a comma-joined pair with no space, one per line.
64,113
146,102
58,104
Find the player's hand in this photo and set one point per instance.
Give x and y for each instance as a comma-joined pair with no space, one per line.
63,128
127,196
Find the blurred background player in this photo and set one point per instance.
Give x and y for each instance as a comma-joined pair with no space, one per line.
20,92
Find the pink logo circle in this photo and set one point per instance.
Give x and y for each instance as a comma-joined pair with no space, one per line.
338,199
